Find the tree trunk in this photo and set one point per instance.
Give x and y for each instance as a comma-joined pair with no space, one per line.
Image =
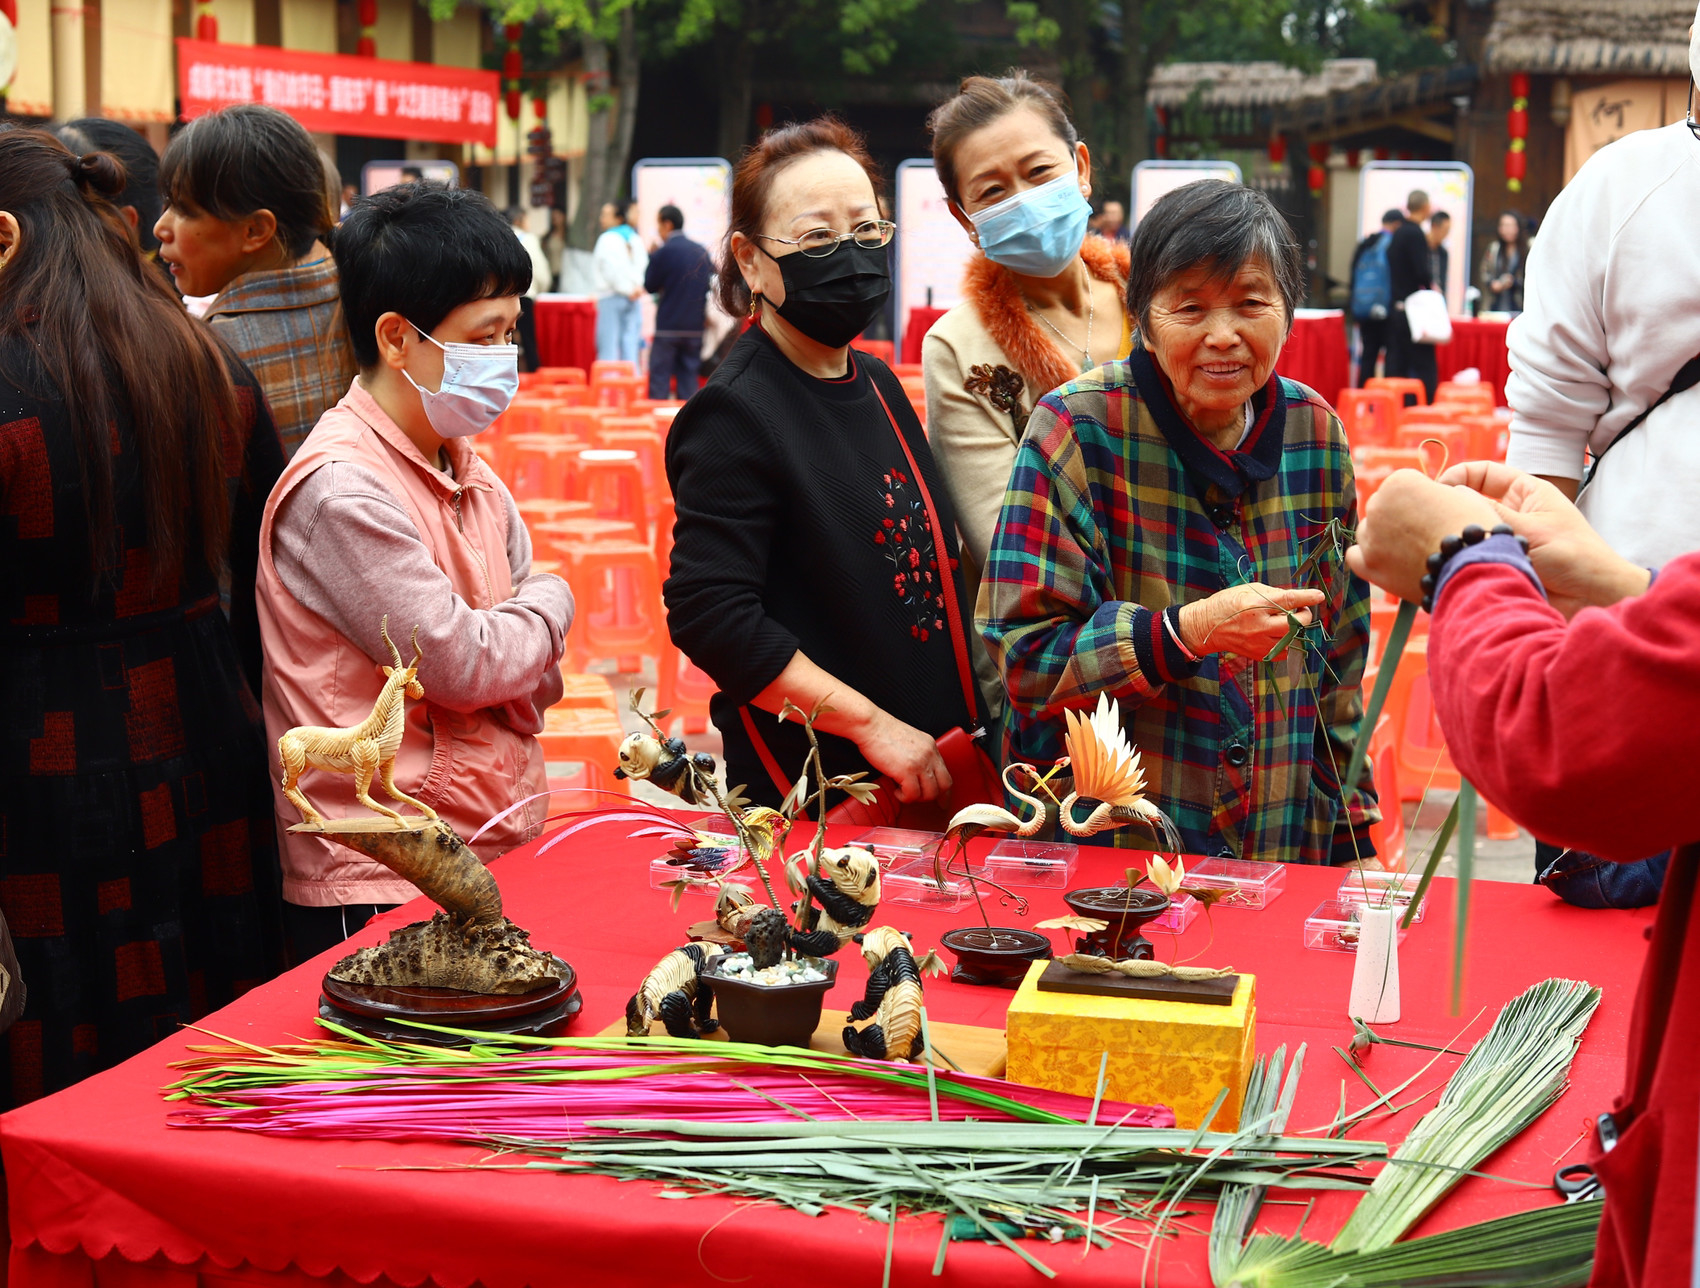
736,58
593,187
1134,130
628,65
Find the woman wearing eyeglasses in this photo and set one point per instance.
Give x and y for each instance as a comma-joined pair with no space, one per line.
1043,302
815,551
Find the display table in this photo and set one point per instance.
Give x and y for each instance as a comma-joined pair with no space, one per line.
1478,343
95,1176
1316,353
566,330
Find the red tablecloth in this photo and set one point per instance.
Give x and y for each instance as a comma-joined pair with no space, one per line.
566,332
95,1175
915,328
1316,355
1479,344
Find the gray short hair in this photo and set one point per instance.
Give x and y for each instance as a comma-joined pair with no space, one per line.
1217,225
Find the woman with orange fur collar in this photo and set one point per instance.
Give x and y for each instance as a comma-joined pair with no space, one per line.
1043,301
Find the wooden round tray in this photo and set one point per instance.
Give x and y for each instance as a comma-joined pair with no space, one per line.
450,1006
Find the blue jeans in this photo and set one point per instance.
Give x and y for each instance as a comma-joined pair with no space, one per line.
674,357
618,329
1591,882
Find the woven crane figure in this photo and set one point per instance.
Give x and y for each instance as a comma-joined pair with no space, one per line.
1106,770
368,749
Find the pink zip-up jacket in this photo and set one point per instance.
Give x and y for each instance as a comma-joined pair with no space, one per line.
360,525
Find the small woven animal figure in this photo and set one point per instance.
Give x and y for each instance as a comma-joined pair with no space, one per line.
368,748
667,763
676,993
893,999
848,892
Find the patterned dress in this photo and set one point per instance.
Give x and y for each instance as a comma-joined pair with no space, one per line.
1117,514
138,865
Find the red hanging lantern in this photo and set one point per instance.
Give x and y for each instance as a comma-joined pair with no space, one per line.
1318,153
1277,149
513,63
540,104
366,47
1519,85
1382,154
513,103
512,32
1517,122
1318,180
1517,130
368,11
1353,158
206,25
1516,166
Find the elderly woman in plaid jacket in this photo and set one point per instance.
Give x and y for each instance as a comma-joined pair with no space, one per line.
1170,520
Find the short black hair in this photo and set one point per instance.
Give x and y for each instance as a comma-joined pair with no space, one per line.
673,215
1393,217
141,167
422,250
1213,224
1440,216
249,157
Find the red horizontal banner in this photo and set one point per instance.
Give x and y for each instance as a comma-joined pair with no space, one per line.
337,94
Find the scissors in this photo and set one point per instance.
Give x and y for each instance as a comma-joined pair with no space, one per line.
1578,1183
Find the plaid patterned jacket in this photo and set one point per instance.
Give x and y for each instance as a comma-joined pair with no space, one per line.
1116,514
287,326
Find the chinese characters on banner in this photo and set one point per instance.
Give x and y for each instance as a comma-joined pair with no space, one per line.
1602,114
336,94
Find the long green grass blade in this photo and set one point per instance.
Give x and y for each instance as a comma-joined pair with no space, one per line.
1466,807
1442,839
1403,620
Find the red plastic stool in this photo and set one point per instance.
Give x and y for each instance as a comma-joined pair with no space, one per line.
590,737
601,370
1388,836
540,467
587,691
1400,386
612,480
561,375
1368,416
619,604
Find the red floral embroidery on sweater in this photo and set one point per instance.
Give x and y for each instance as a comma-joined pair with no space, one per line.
910,545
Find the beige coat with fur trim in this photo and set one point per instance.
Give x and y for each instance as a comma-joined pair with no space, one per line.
986,363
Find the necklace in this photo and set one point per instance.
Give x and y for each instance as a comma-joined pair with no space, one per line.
1091,309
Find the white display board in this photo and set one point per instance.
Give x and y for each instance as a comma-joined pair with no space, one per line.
932,249
701,187
1450,185
1155,179
375,176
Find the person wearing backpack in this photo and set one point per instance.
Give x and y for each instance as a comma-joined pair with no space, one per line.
1372,295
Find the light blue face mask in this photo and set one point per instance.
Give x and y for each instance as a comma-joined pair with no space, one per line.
1037,232
479,381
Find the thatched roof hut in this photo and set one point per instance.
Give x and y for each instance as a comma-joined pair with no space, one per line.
1585,37
1262,84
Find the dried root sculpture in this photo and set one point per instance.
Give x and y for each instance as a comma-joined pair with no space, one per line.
893,1000
848,890
677,994
368,749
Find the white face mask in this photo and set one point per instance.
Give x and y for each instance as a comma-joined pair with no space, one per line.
479,381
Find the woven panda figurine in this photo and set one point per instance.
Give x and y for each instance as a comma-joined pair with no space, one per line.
676,993
848,892
893,999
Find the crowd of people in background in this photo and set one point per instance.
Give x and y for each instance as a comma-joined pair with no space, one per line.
209,513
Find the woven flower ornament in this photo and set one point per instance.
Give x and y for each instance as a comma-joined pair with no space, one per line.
1165,878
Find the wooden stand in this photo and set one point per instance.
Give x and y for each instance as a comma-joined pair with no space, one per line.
1059,978
375,1010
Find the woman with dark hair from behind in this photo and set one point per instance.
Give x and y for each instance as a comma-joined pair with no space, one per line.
139,200
138,873
247,208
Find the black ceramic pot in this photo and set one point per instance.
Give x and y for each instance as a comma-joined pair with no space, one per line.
771,1014
995,955
1126,912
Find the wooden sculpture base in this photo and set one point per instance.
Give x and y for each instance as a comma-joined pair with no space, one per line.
374,1010
1058,978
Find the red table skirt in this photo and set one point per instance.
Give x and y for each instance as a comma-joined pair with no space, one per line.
1315,355
566,332
102,1191
1479,344
915,328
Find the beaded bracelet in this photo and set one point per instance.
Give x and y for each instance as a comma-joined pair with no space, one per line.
1450,546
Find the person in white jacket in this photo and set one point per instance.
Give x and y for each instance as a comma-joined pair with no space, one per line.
620,264
1611,314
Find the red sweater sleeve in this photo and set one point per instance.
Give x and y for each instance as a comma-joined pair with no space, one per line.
1581,731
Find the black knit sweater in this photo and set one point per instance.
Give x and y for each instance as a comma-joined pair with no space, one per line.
800,528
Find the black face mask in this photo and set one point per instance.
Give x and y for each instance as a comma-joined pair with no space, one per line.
832,298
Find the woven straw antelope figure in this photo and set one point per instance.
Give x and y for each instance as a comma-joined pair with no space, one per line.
368,748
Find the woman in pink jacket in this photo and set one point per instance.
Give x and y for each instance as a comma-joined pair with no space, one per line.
387,511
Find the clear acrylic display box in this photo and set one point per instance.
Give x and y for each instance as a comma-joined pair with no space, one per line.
1383,889
1182,912
896,844
1249,884
913,881
1038,865
1333,927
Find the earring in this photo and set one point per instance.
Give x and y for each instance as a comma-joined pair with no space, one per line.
755,299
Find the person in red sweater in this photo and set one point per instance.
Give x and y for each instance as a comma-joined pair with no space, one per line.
1565,682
